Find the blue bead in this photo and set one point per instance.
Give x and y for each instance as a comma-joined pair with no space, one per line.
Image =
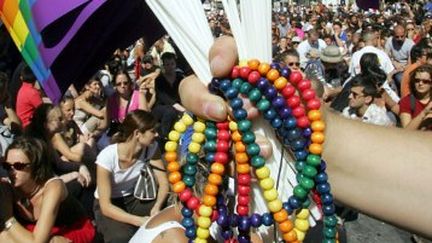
290,123
301,155
236,83
298,144
255,220
294,202
321,178
240,114
276,123
328,210
190,232
186,212
285,112
278,102
236,103
187,222
234,220
327,199
245,88
248,137
287,207
227,234
263,84
223,220
323,188
225,85
267,219
323,165
270,93
270,114
222,209
307,132
275,65
231,93
244,223
209,158
285,72
294,134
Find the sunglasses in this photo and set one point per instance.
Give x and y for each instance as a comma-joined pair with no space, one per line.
122,83
425,81
294,63
16,166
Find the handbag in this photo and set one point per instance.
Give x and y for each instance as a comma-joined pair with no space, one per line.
146,185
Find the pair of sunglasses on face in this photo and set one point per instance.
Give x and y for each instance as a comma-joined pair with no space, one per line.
16,166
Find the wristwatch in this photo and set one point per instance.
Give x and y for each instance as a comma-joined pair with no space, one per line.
9,223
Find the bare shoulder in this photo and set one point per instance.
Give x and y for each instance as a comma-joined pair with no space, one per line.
173,235
55,188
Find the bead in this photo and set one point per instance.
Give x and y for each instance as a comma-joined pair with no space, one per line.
204,222
313,104
236,136
245,88
223,220
267,183
307,183
180,127
286,226
221,157
315,148
174,177
290,123
200,240
300,192
267,219
236,103
241,157
170,146
236,83
262,173
242,210
294,202
210,133
270,195
263,68
231,93
193,203
285,112
275,65
243,200
313,160
244,179
303,121
280,216
194,147
228,234
314,115
298,144
298,111
307,132
293,101
243,239
303,85
263,84
301,224
254,95
190,232
185,195
299,165
248,137
244,72
215,179
186,212
253,64
189,180
327,199
209,200
276,123
174,135
285,72
323,188
308,94
295,77
303,214
211,189
223,135
173,166
269,114
280,83
187,222
203,233
330,221
317,137
270,93
170,156
318,126
222,146
244,189
321,177
252,149
256,220
243,168
189,169
295,133
301,155
309,171
306,203
209,157
290,236
300,235
217,168
288,91
253,77
198,137
329,232
187,119
240,114
275,205
199,127
244,125
235,72
278,102
178,187
263,105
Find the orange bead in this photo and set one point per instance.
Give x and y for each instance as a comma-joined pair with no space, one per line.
318,126
315,148
236,136
286,226
253,64
290,236
272,75
178,187
217,168
173,166
170,156
263,68
280,216
241,158
174,177
211,189
215,179
209,200
243,168
314,115
280,83
240,147
317,137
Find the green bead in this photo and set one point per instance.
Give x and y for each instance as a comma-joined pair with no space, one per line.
263,105
300,192
252,149
330,221
330,232
236,83
248,137
257,161
244,125
210,124
245,88
328,241
309,171
189,180
306,203
210,133
192,158
299,177
254,95
210,146
313,160
299,165
189,169
307,183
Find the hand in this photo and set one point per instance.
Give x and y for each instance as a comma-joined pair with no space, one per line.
139,221
59,239
155,210
84,177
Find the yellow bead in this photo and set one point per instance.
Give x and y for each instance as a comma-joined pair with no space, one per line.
199,240
272,75
318,126
233,125
300,235
253,64
203,233
194,147
204,222
243,63
314,115
303,214
186,119
275,205
267,183
263,172
174,135
317,137
270,195
280,83
198,137
199,127
205,211
301,224
180,127
170,146
315,148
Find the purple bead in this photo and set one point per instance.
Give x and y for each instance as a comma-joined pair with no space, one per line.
221,203
307,132
275,65
244,223
270,93
255,220
285,72
267,219
278,102
243,239
323,165
263,84
285,112
234,220
227,234
327,199
223,220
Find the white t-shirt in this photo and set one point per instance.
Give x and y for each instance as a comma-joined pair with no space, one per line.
304,47
403,54
383,58
122,180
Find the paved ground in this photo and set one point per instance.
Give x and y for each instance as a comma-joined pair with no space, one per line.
369,230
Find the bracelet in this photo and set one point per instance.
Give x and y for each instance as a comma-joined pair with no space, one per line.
9,223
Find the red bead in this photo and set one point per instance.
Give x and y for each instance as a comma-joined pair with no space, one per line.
223,135
308,94
299,111
222,146
304,84
295,77
303,122
193,203
185,195
313,104
214,216
244,72
243,200
253,77
242,210
288,91
244,179
235,72
221,157
243,190
222,125
293,101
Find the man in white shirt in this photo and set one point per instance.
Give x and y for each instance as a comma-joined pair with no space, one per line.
305,46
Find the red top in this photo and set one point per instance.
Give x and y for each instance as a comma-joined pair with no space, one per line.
28,99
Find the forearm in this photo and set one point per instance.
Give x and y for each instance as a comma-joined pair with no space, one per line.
118,214
415,122
162,195
18,234
372,169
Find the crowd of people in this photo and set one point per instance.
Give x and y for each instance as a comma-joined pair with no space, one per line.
70,171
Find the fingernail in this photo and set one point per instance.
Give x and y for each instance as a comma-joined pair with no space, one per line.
215,110
216,64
